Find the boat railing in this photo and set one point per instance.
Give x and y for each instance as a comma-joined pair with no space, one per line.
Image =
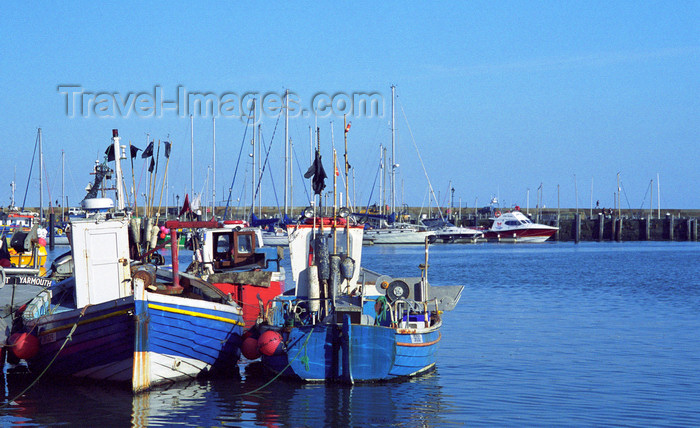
283,308
410,313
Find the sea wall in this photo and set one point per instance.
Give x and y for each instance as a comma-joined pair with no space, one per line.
612,228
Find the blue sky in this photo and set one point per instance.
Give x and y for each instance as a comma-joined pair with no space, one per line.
497,97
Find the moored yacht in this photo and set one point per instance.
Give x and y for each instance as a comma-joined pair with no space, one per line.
446,232
514,226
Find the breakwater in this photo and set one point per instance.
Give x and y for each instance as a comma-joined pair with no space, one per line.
576,227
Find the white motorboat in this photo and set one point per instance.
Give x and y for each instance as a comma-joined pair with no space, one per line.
399,233
446,232
514,226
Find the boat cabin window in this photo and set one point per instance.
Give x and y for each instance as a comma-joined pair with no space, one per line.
223,244
245,244
512,222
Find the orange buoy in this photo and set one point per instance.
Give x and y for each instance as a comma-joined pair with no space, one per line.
24,345
270,343
249,348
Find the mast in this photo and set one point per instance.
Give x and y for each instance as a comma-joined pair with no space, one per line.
63,187
658,197
191,156
12,189
393,153
346,128
213,177
41,185
259,175
118,169
286,147
291,177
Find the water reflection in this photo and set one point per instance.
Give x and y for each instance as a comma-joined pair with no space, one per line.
249,400
412,402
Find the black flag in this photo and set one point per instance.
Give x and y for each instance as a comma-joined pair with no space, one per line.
153,164
167,149
110,153
316,170
134,151
148,152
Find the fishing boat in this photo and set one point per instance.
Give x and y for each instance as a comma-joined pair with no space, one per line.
18,284
117,319
231,258
342,322
25,249
514,226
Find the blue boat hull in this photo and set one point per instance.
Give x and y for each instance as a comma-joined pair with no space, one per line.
355,353
146,339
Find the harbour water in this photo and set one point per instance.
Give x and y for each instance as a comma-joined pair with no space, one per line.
603,334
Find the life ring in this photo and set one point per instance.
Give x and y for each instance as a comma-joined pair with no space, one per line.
497,213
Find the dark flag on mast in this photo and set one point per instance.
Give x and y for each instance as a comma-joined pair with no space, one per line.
134,151
110,153
148,152
167,149
318,183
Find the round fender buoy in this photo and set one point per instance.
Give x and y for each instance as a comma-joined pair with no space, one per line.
270,343
24,345
249,348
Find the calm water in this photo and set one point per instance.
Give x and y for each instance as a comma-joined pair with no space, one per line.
603,334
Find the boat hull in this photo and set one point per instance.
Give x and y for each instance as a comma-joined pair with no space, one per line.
396,236
147,339
355,353
534,235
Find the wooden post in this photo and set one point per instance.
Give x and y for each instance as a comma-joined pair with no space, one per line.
689,236
51,230
618,237
577,228
614,228
601,226
669,217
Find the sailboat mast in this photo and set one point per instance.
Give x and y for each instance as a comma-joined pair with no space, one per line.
213,178
41,183
192,156
393,153
259,169
12,188
63,186
286,148
291,177
658,197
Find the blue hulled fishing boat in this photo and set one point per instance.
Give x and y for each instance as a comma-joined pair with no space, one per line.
345,323
117,319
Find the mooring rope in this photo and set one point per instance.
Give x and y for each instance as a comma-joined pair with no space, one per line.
266,384
68,337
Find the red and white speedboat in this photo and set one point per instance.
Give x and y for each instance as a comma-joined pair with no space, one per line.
514,226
